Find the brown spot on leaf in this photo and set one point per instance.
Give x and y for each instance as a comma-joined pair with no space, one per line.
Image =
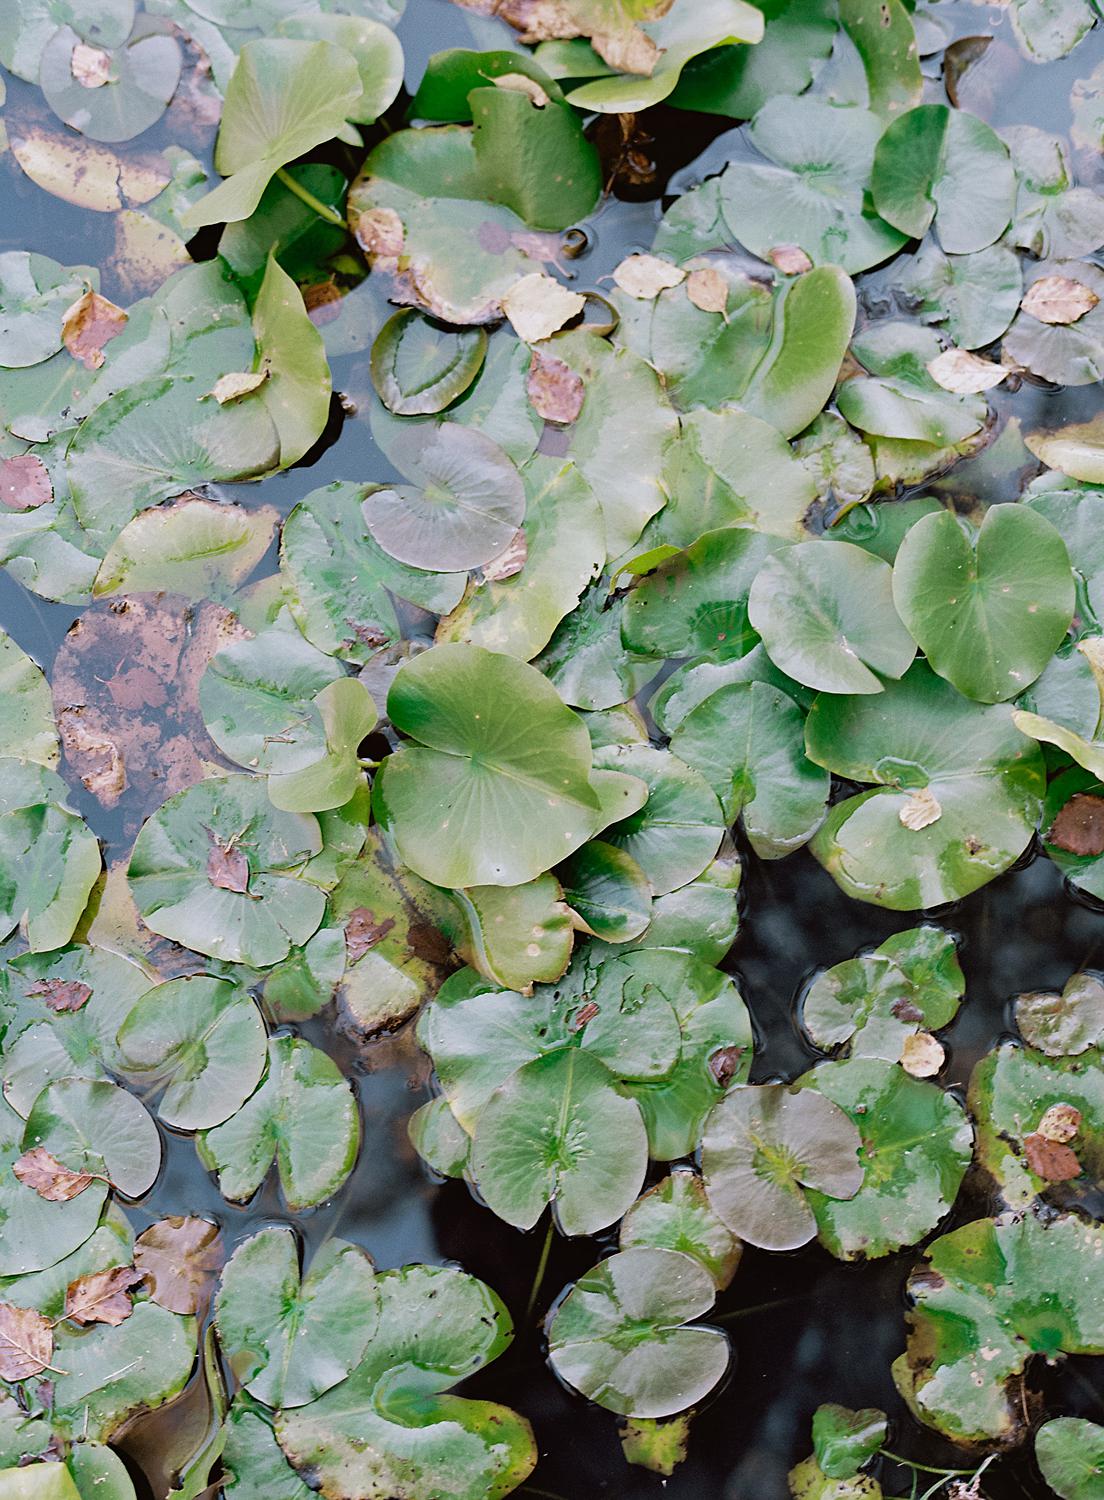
102,1296
510,561
362,932
1060,1123
368,635
227,866
583,1016
904,1010
556,392
24,483
61,994
49,1178
791,260
724,1063
90,66
178,1256
1079,826
89,325
26,1342
379,232
1051,1160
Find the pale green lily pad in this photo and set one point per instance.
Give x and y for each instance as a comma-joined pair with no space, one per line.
675,1215
677,832
1070,1453
972,298
50,858
27,727
898,398
142,78
25,28
586,661
1066,353
38,1233
254,1464
1063,1025
373,45
1052,218
198,548
303,1117
91,1125
34,293
518,935
620,1335
736,82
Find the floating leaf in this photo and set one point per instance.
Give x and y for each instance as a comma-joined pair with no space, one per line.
965,374
418,368
1063,1025
296,392
198,548
109,96
1070,1453
49,1178
95,1126
762,1144
677,832
554,389
619,1336
533,158
34,294
103,1296
972,298
516,935
38,1233
1058,299
374,46
303,1117
26,1342
178,1256
844,1440
1070,353
606,888
49,857
1052,218
899,398
675,1215
645,276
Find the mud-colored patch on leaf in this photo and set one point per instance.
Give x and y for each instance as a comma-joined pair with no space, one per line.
1079,826
1051,1160
556,392
24,483
363,931
89,326
227,866
90,66
179,1257
61,994
380,233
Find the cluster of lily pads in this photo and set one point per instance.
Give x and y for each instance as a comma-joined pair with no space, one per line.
663,570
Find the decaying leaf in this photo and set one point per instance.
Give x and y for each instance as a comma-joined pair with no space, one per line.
708,290
102,1296
1051,1160
50,1179
538,305
90,66
921,810
362,932
631,51
964,373
510,560
61,994
89,175
645,276
24,483
556,392
922,1055
1058,299
241,383
227,866
791,260
656,1444
519,83
1060,1123
178,1256
379,232
26,1342
1079,826
89,325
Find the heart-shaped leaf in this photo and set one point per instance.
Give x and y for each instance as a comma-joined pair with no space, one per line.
675,1215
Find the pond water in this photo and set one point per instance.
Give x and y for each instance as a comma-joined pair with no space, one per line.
804,1327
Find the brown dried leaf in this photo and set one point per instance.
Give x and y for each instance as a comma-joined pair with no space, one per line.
362,932
723,1064
791,260
539,305
178,1257
922,1055
1051,1160
583,1016
1058,299
227,866
518,83
89,325
50,1179
510,561
708,290
24,483
964,373
380,232
631,51
645,276
921,809
26,1342
1060,1123
556,392
240,383
1079,826
61,994
90,66
102,1296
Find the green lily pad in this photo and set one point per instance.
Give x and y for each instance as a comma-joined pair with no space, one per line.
587,662
675,1215
620,1335
517,935
38,1233
747,740
960,773
35,291
255,1466
825,614
1052,218
289,1341
972,298
303,1117
27,727
284,97
142,78
493,774
942,164
607,889
291,354
533,158
988,1297
762,1144
451,75
1066,353
899,398
844,1440
218,868
677,832
1070,1453
204,1039
737,81
916,1146
887,45
1084,871
815,191
390,1426
988,615
50,858
419,368
198,548
372,44
91,1125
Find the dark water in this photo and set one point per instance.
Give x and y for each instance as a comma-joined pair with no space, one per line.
804,1327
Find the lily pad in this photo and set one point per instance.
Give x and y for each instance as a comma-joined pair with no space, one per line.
899,398
50,859
419,368
606,888
518,935
972,298
675,1215
287,1340
303,1117
677,832
620,1335
1063,1025
197,548
1067,353
38,1232
34,293
927,748
140,79
987,614
844,1440
91,1125
1052,218
27,729
1070,1453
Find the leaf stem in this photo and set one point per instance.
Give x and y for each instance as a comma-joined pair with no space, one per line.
542,1266
323,210
909,1463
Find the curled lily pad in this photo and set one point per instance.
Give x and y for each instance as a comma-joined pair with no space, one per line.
518,935
738,81
987,615
1070,1453
218,868
1052,218
916,1146
607,889
975,1321
204,1039
620,1334
391,1416
762,1144
419,368
503,755
289,1340
34,293
303,1117
469,502
826,616
942,164
927,748
139,80
675,1215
